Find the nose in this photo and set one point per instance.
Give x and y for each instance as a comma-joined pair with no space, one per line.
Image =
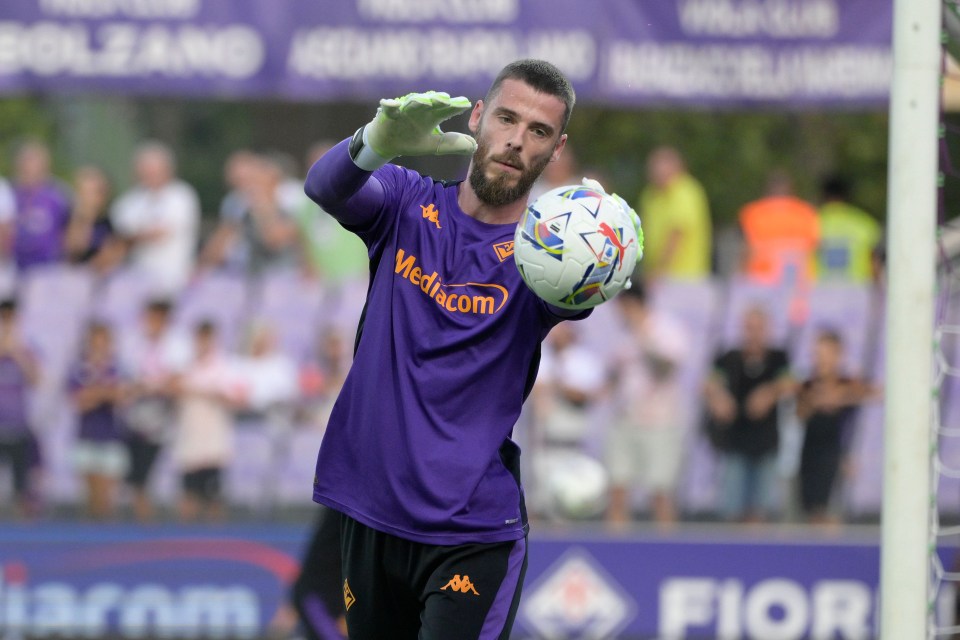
515,141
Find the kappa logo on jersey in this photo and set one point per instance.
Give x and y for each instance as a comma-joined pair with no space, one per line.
463,585
478,298
348,597
503,249
432,214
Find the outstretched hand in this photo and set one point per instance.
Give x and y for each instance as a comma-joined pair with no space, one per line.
410,126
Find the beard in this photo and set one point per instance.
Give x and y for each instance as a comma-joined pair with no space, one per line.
499,191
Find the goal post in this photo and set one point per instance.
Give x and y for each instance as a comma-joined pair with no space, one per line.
908,383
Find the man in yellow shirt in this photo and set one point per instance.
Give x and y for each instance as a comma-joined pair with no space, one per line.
848,237
676,220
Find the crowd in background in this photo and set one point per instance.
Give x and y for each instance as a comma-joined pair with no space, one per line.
150,389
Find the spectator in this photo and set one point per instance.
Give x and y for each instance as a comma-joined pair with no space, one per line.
36,231
256,230
646,444
8,202
19,372
329,251
153,355
159,220
571,381
849,237
322,377
742,396
676,220
207,394
223,248
90,238
97,389
827,405
269,378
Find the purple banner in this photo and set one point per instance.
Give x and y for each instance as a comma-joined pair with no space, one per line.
630,52
230,582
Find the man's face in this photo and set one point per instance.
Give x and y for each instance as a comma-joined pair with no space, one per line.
517,134
33,165
827,356
153,169
755,329
155,322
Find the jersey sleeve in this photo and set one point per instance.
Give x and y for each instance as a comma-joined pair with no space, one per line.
356,198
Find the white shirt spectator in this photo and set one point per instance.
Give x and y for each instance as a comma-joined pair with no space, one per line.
152,364
576,368
269,380
204,436
8,203
174,212
154,361
652,399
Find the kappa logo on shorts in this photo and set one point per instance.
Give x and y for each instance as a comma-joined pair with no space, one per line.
503,249
348,597
432,214
463,585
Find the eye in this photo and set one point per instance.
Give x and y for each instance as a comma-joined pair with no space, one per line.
504,119
540,133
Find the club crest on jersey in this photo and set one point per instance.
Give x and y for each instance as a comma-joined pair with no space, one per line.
432,214
503,249
348,597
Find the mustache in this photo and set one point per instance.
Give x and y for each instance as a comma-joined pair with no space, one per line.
512,159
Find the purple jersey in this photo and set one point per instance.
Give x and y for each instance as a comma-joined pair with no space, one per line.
418,443
100,423
41,221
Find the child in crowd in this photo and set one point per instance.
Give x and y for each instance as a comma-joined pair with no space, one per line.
97,389
19,372
203,442
826,404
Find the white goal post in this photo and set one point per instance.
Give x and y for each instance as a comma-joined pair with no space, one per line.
911,241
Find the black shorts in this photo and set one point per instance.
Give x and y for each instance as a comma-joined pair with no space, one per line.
17,453
403,590
203,484
317,592
143,453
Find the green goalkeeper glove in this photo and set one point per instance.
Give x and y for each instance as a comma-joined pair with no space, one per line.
409,126
593,184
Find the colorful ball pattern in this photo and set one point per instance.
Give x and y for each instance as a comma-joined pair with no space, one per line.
576,247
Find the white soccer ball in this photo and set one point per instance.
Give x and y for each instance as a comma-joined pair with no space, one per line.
576,484
576,246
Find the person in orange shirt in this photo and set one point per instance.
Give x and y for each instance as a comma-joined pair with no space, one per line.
781,232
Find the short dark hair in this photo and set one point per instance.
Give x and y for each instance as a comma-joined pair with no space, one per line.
831,335
542,76
99,326
8,305
159,305
205,327
835,188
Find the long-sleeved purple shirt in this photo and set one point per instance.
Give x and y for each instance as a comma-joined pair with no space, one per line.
418,444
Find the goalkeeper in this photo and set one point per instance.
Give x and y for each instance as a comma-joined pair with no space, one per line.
417,456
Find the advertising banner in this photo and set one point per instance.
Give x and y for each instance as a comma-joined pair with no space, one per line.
230,582
630,52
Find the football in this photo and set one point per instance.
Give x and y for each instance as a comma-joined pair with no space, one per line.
576,246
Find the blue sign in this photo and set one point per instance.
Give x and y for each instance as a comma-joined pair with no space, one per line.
197,582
